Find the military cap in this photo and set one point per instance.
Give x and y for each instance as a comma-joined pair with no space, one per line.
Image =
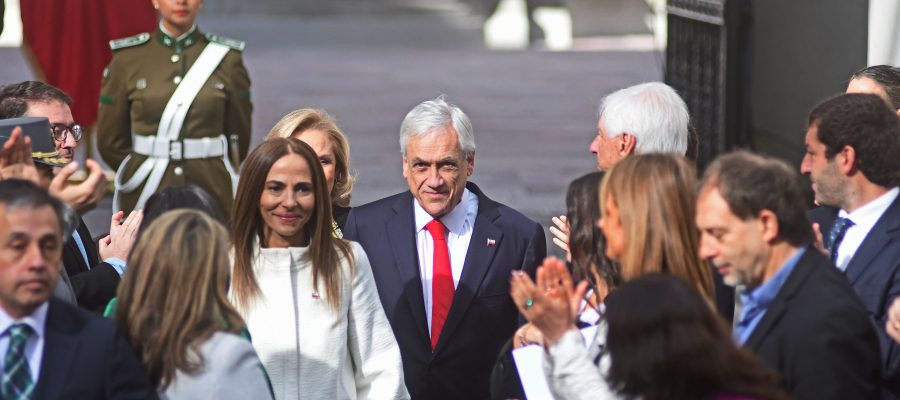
38,129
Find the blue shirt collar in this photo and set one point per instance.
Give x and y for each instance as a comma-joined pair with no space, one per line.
763,295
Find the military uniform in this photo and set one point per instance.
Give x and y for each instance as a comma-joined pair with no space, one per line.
141,78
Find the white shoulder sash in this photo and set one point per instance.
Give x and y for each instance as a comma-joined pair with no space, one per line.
153,169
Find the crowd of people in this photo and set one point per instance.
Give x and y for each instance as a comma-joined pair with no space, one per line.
720,284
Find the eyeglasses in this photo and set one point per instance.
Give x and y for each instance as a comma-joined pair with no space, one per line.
59,132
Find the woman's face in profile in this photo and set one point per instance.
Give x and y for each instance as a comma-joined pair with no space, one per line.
287,202
611,226
321,143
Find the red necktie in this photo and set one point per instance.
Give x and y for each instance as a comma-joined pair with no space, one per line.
441,281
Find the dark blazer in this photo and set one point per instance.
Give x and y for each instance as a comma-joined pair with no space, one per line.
86,357
482,316
815,333
94,284
874,273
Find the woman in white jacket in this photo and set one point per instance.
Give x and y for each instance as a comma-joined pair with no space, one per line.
308,297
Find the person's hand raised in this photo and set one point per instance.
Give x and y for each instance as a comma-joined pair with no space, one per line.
85,195
560,234
15,158
552,303
121,235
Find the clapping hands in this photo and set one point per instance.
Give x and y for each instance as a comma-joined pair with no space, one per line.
552,303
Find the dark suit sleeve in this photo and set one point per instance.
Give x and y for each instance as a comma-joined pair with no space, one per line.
890,348
836,359
536,250
96,287
126,377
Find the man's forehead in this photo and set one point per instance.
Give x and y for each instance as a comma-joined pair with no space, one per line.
16,218
49,109
710,199
434,144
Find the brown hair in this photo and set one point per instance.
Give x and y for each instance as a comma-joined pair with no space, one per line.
174,296
751,183
16,98
655,196
248,228
303,119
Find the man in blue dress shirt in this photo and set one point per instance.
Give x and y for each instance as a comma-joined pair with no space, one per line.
800,315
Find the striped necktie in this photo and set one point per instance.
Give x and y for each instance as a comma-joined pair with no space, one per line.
16,382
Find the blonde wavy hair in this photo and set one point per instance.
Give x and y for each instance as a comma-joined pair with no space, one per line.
655,196
309,118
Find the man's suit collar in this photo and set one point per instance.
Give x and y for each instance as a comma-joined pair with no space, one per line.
805,266
37,320
486,239
60,345
885,230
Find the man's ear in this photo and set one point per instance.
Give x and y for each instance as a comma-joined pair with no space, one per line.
846,160
626,144
769,225
405,168
470,164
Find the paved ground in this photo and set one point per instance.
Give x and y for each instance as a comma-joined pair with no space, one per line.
534,112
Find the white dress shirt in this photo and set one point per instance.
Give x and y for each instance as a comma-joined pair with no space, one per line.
34,349
460,223
864,219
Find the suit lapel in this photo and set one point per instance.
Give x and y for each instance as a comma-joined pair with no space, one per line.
875,240
59,353
88,241
402,237
479,257
778,306
71,254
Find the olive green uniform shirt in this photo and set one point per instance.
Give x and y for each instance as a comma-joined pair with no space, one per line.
137,84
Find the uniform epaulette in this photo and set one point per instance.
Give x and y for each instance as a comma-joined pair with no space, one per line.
130,41
234,44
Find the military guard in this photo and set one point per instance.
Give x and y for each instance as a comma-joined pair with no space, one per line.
174,109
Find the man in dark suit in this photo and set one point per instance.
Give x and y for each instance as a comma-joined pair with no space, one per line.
52,350
94,282
853,160
800,316
442,255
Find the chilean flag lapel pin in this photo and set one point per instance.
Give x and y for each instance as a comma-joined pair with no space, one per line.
491,242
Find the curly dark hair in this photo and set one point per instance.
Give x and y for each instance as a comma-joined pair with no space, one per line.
867,124
885,75
14,98
666,342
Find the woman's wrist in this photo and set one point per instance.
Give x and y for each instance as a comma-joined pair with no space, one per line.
552,336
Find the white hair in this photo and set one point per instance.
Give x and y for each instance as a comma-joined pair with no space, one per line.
438,114
652,112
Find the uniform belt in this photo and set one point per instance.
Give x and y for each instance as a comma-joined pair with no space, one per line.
184,149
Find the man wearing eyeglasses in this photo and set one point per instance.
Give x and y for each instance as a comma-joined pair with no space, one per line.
94,282
38,99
